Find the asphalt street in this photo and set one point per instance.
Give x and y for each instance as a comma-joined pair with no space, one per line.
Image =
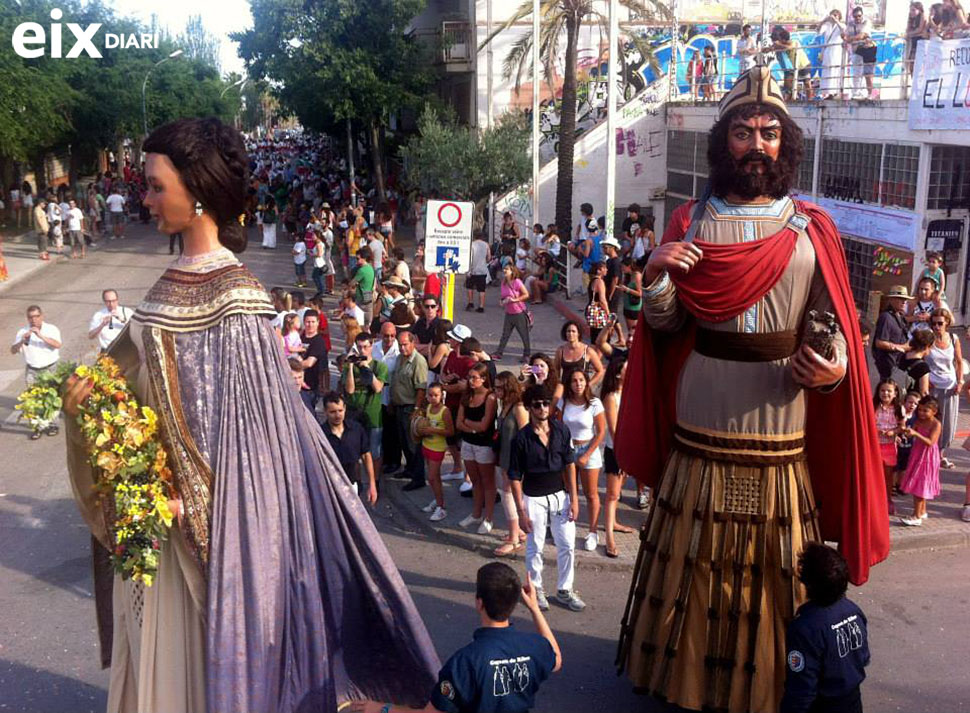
916,602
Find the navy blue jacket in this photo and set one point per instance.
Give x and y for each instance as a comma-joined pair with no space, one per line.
828,650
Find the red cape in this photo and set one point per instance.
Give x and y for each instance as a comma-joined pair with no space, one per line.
840,436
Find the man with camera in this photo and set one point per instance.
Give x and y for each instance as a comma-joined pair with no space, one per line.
107,322
362,380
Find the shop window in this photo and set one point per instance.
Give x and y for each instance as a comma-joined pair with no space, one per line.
949,178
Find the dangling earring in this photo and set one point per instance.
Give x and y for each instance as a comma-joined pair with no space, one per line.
198,208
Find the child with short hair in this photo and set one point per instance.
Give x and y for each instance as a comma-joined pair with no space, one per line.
297,369
934,271
827,641
299,253
922,479
501,669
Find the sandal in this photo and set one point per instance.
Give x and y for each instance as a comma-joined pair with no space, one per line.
611,552
507,549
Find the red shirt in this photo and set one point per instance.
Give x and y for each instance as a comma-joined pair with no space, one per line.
459,366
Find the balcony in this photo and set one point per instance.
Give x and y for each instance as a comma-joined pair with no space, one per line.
457,46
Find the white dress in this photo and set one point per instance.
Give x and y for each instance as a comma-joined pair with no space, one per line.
832,58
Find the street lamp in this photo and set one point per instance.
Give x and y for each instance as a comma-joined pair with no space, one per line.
144,86
240,83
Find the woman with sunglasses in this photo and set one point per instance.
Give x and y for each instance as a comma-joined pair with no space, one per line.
945,360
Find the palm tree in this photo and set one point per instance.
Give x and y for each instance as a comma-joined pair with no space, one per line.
559,16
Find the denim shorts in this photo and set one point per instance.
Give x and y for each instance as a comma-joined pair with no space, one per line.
376,438
595,460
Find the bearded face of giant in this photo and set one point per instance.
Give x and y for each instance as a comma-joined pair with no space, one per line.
753,152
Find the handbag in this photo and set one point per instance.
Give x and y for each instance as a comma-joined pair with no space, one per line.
530,317
596,315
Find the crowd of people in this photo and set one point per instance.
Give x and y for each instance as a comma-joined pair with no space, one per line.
921,374
399,391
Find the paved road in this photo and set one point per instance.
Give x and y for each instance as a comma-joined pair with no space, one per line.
916,602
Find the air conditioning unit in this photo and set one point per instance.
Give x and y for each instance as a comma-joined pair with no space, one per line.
658,194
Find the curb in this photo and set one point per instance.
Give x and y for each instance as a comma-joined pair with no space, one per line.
931,541
475,543
38,264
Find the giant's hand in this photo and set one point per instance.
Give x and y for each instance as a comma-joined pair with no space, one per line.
812,370
75,394
676,255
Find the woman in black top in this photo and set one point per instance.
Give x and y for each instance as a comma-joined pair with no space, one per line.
510,235
476,424
913,362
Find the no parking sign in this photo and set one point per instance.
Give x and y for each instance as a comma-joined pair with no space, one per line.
448,236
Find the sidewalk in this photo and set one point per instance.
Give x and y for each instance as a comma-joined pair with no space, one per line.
943,527
20,254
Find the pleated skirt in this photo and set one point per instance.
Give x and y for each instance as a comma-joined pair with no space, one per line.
715,585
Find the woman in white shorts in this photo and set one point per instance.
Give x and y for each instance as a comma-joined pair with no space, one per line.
585,418
476,424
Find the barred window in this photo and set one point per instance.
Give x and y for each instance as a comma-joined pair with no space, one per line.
803,181
949,178
700,153
680,150
900,164
849,170
858,255
682,183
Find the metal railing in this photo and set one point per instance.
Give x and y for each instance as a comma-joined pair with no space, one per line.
457,41
841,77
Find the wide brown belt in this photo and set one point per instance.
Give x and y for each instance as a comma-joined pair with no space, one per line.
734,346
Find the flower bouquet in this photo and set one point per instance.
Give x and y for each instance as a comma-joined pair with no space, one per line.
130,464
40,403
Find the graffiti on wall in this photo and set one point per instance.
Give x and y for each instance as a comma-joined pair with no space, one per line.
638,78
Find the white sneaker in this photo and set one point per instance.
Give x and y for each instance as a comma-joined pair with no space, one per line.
485,528
454,475
465,487
912,521
470,520
965,515
430,506
438,514
591,542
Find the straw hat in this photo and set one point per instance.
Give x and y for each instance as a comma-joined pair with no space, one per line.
900,291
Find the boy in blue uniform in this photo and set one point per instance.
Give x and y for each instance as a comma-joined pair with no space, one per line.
827,641
501,669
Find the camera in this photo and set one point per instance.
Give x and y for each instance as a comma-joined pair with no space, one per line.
355,358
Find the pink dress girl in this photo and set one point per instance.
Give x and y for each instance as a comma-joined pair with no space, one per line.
922,479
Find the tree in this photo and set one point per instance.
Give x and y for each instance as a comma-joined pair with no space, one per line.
198,43
561,17
335,62
449,160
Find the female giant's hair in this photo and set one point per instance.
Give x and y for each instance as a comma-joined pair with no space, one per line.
778,179
212,162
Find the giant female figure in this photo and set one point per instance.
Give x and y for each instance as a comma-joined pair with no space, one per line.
274,591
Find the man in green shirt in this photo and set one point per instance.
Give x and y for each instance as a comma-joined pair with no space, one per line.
361,380
363,283
408,384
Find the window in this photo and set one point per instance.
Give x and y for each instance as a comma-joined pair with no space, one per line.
682,183
859,257
949,178
849,171
803,181
680,150
900,164
884,174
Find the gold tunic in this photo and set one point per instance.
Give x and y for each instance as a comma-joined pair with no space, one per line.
713,586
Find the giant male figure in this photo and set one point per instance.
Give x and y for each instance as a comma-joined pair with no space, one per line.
756,443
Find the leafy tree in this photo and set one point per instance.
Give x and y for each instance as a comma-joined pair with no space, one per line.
450,160
335,62
559,18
